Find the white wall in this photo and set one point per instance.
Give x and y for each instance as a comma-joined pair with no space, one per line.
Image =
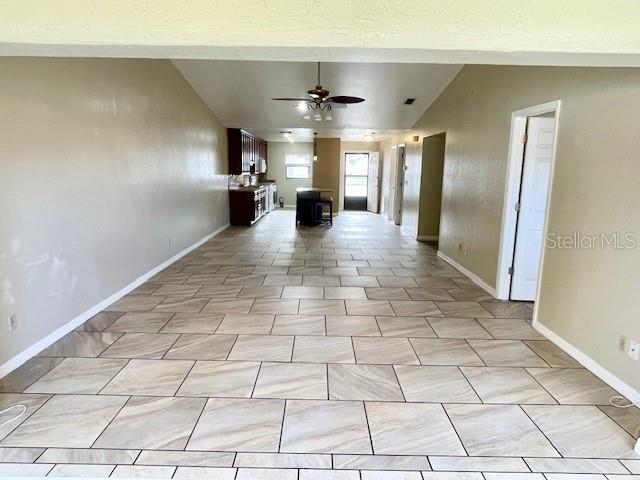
430,31
109,168
277,152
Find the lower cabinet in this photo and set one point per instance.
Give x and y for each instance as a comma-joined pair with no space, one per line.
247,206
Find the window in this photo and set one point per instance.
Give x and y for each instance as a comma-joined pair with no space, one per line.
297,166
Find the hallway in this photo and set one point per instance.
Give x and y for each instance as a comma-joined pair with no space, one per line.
353,348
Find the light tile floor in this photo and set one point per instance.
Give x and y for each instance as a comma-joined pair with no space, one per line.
345,353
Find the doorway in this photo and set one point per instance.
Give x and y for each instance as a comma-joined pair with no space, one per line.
531,164
400,169
433,148
356,173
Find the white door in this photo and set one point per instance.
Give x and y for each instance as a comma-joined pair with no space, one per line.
373,187
399,187
534,190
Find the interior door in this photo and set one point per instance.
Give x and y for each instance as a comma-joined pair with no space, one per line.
373,180
534,190
397,218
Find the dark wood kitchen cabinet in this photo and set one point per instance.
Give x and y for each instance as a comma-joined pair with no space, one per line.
247,153
247,205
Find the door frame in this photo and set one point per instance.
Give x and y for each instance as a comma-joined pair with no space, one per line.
399,199
393,166
512,195
343,168
377,157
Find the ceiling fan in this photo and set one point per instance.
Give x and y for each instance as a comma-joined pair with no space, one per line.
320,102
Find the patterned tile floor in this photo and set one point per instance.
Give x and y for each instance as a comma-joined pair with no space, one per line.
280,353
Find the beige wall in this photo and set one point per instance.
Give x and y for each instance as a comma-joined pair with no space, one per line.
275,168
431,187
326,171
108,168
588,296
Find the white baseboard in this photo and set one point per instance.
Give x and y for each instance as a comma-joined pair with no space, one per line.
594,367
587,362
427,238
13,363
472,276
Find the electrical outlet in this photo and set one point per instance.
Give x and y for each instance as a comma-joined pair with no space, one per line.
634,349
13,322
622,344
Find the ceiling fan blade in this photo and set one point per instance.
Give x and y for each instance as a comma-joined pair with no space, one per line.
286,99
344,99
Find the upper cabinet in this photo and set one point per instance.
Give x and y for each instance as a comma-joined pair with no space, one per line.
247,153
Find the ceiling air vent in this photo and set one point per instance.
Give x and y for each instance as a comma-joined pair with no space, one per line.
409,101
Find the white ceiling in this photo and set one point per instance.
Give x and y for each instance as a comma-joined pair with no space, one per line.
240,92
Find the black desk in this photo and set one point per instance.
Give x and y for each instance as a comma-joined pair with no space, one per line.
308,211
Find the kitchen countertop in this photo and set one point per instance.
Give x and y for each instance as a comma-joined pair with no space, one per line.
251,188
321,190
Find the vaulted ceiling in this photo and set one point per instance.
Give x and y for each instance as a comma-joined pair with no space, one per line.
240,92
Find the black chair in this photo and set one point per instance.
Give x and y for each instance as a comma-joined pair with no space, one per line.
322,203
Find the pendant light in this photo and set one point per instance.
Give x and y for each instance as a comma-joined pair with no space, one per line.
315,147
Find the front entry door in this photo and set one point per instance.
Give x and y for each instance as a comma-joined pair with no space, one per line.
534,190
355,181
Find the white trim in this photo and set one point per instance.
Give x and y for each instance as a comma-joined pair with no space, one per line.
400,200
512,192
598,370
427,238
56,335
472,276
393,172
